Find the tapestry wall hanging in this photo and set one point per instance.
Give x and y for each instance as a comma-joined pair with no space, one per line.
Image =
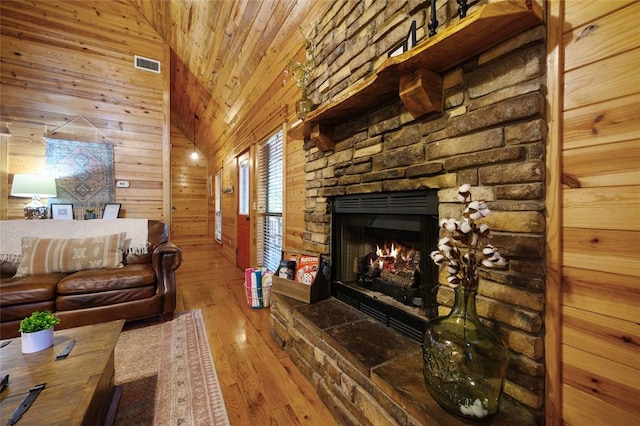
83,171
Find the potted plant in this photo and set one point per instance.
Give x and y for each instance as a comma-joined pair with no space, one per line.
37,331
89,214
464,360
300,72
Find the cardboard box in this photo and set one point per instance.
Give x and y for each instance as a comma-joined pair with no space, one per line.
318,290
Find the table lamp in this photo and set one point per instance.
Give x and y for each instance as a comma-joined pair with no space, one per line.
34,186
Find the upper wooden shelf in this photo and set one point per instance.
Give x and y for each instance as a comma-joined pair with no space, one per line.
416,75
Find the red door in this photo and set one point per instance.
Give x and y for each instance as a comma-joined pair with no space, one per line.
243,219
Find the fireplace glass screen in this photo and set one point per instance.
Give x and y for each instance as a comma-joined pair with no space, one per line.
380,255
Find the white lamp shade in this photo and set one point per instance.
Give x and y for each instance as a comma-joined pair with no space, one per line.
30,185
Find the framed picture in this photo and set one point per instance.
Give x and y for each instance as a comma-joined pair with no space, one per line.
409,42
62,211
111,211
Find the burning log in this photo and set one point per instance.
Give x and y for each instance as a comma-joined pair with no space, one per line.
398,266
404,279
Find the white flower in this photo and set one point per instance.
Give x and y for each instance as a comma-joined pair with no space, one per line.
484,209
476,410
437,257
500,263
488,250
449,224
465,227
460,250
445,245
487,263
476,210
463,192
453,281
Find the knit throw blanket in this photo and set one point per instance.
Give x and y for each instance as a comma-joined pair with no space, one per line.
12,231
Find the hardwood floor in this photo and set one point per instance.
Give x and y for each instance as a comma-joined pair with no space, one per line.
260,384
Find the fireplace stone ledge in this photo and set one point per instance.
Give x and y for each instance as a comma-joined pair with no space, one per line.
365,373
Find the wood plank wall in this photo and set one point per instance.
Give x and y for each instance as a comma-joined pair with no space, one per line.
190,199
229,207
62,60
295,198
599,298
262,115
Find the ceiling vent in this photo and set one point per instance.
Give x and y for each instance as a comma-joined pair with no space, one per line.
147,64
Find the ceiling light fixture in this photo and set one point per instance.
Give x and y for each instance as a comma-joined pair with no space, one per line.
194,154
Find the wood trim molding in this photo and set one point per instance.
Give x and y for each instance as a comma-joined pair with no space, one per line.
553,216
421,92
491,25
4,179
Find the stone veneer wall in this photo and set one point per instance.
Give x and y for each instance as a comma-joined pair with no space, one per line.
491,134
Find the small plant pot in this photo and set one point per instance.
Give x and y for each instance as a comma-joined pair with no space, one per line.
38,341
303,107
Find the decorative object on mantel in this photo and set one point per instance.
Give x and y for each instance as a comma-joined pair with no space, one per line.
418,72
407,43
34,187
433,20
300,72
465,361
37,331
303,105
463,7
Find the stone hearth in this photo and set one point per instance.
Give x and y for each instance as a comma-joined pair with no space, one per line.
366,373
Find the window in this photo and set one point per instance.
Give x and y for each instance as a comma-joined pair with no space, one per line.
270,186
217,201
243,188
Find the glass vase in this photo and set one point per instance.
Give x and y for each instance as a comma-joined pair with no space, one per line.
464,360
303,106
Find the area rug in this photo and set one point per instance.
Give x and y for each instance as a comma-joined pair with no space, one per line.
83,171
167,376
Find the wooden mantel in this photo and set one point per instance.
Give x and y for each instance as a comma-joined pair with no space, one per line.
416,75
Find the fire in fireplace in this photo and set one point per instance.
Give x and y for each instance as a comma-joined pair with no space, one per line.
393,270
380,259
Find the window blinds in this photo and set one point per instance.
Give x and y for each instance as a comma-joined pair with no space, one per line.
270,196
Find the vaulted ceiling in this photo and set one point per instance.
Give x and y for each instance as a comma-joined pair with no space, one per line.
225,55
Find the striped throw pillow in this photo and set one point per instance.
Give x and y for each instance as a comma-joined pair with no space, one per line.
43,256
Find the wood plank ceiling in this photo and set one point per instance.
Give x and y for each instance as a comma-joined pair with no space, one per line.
224,57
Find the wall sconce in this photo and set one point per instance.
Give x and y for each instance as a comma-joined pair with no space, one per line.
194,154
34,187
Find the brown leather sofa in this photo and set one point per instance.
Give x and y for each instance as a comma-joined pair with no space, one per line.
145,287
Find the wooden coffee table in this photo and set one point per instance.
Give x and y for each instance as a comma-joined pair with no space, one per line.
79,388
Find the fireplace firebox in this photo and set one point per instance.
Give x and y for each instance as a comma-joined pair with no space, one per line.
380,256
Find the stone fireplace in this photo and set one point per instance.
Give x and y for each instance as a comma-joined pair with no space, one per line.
490,134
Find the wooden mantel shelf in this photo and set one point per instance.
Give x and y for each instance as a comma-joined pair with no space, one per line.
416,75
